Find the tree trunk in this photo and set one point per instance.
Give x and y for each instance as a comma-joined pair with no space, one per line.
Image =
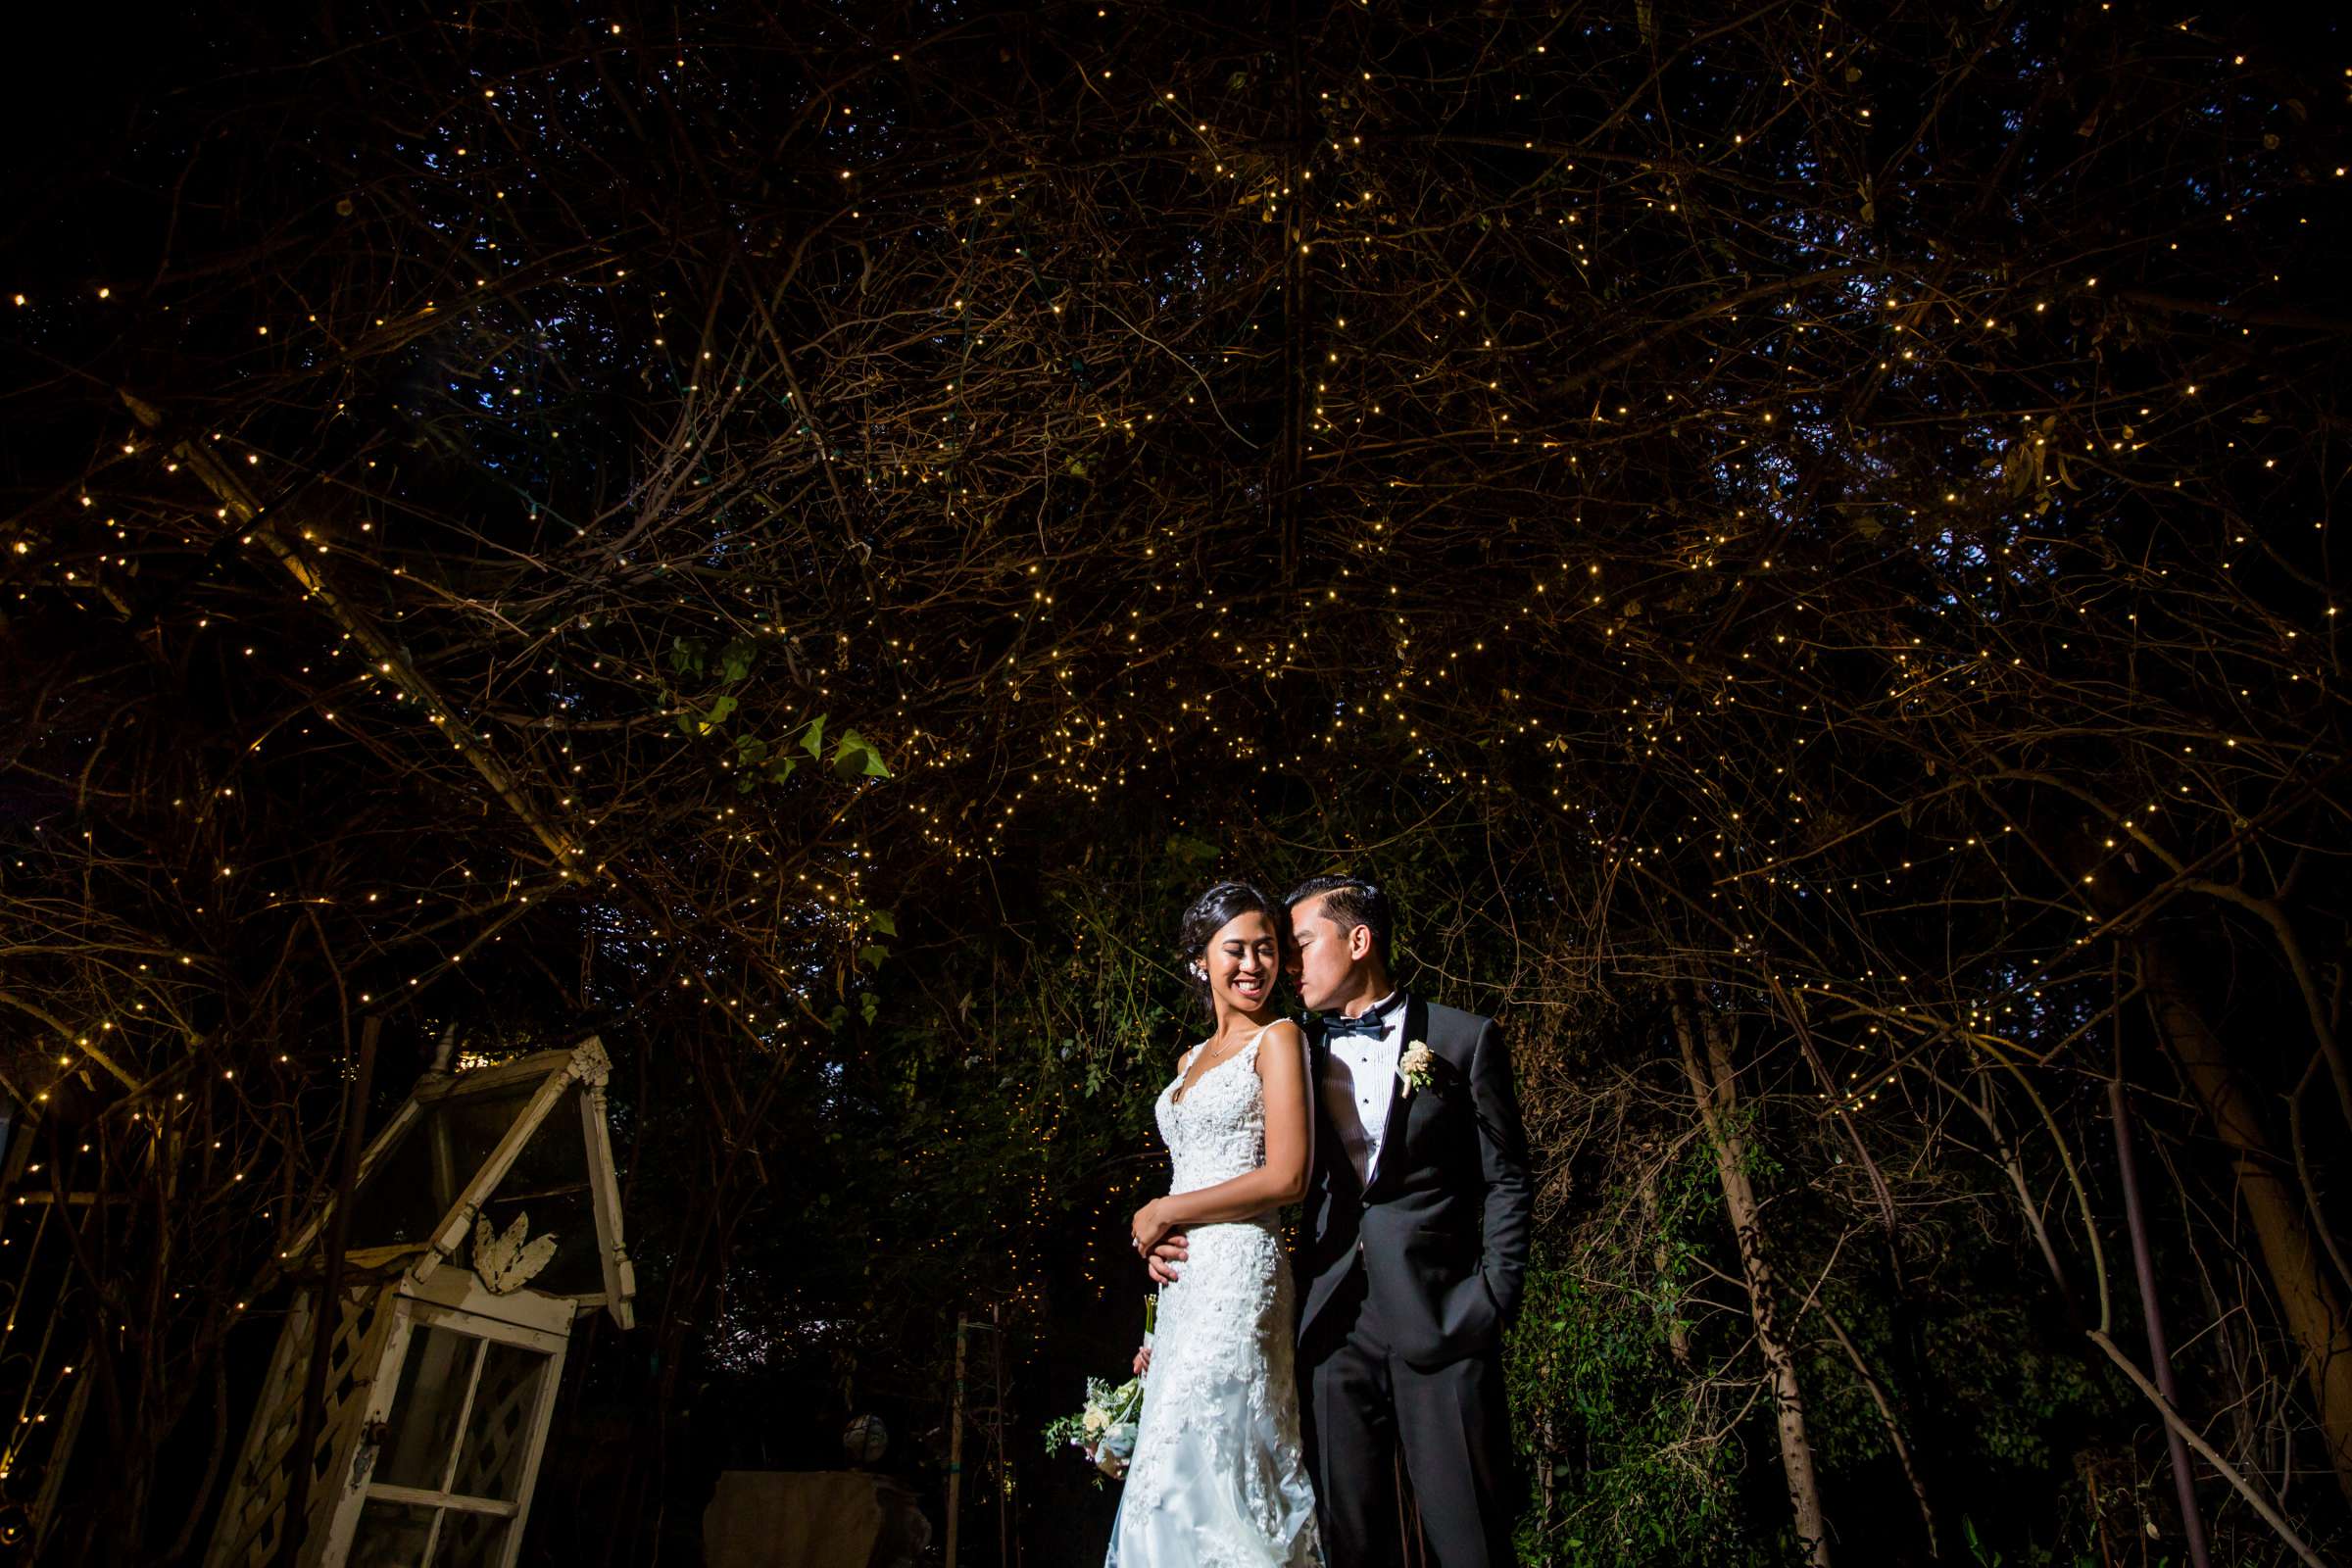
2314,1316
1713,1092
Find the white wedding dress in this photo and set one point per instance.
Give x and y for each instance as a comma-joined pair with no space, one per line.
1218,1478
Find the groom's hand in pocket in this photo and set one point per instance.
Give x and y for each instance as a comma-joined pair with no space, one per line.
1166,1258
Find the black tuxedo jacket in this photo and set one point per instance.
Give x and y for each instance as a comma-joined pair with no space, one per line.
1441,1231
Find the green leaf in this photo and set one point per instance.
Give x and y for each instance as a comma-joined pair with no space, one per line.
750,748
736,658
720,707
748,783
782,770
882,921
813,742
873,955
871,1005
856,756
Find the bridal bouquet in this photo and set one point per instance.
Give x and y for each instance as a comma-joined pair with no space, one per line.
1105,1426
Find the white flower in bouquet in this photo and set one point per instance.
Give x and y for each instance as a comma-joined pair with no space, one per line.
1104,1427
1417,1065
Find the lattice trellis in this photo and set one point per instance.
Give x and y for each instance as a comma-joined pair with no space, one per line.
500,1426
253,1519
479,1142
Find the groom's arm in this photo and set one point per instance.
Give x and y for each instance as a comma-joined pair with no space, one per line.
1502,1165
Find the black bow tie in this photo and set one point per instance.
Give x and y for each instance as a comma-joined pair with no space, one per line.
1372,1022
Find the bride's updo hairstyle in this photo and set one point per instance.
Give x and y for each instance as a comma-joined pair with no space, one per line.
1209,915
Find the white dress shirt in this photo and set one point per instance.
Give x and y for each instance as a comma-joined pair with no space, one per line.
1359,1078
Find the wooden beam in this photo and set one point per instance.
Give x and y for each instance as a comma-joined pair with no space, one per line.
603,1186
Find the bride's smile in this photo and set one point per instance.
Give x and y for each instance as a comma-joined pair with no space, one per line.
1243,963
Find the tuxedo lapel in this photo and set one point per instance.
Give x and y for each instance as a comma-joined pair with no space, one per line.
1391,1128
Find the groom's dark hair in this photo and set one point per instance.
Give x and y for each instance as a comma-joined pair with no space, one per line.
1352,901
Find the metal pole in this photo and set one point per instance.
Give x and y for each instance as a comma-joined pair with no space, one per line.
2192,1526
956,1446
326,1305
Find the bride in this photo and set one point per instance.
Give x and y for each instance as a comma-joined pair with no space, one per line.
1217,1477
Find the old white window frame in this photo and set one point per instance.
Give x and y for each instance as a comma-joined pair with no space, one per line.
536,1325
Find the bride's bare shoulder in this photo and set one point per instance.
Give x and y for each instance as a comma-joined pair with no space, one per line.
1284,1032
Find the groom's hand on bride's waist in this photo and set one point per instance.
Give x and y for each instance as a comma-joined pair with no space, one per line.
1166,1258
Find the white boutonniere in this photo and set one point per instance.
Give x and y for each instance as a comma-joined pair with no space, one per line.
1416,1067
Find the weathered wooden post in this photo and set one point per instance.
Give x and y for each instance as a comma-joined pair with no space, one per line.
956,1441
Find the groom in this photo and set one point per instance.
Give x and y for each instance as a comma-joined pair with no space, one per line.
1413,1246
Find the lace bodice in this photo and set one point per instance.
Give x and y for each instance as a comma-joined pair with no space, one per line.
1217,1129
1218,1480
